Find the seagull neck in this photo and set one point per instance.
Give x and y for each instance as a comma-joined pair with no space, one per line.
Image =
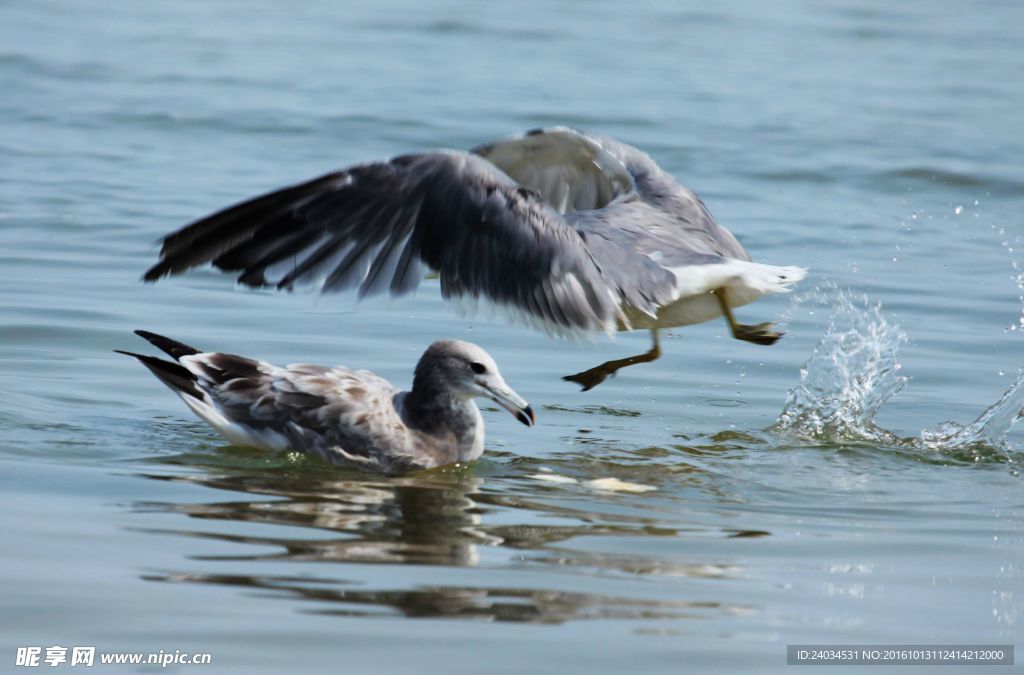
431,408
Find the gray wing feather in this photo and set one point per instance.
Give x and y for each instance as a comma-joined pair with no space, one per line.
614,186
379,226
376,226
690,228
671,239
573,171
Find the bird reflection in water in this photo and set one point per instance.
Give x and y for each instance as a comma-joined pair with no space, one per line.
433,518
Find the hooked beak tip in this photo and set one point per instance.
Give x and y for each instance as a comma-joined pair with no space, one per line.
526,416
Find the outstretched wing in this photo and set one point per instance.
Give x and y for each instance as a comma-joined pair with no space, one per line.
376,226
601,183
571,169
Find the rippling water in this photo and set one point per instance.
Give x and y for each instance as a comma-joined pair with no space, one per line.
856,483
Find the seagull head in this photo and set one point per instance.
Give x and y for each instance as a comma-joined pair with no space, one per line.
467,371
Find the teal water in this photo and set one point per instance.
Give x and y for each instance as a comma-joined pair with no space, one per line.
856,483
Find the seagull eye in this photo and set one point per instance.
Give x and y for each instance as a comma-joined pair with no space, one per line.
478,368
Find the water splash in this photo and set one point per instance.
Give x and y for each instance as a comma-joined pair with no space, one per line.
989,429
854,370
1018,273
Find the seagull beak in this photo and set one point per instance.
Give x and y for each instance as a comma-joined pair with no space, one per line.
514,403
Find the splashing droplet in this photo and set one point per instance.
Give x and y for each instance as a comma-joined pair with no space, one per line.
854,370
850,374
989,428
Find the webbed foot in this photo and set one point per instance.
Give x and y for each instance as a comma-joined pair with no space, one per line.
588,379
759,334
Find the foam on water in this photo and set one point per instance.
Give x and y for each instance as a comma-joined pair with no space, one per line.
854,370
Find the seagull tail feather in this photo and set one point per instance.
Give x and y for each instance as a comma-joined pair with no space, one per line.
175,376
168,346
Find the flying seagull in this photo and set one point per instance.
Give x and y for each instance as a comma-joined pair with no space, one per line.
348,417
572,231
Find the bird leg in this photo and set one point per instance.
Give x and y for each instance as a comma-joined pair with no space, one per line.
759,334
589,379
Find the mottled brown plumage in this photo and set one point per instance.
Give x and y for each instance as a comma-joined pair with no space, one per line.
348,417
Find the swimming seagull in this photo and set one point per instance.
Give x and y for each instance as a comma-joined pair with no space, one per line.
572,231
348,417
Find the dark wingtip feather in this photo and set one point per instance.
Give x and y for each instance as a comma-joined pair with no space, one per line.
228,233
253,279
156,272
